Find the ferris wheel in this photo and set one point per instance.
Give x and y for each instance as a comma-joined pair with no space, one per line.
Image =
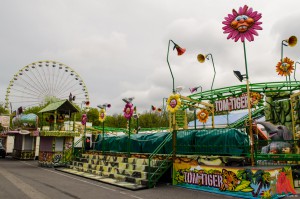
45,81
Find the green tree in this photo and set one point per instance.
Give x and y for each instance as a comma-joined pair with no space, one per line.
3,111
93,116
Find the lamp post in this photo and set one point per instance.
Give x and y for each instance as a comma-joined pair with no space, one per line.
83,122
201,58
102,117
291,41
128,112
241,77
180,51
192,90
242,25
71,99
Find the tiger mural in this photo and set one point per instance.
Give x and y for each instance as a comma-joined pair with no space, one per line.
229,181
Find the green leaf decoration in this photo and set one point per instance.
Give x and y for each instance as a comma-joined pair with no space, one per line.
244,184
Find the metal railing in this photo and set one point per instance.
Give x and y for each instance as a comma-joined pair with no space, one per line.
156,168
280,152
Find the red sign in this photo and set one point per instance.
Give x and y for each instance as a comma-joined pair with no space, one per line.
232,103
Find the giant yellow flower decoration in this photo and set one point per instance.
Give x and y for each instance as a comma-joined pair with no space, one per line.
173,103
285,67
202,115
102,115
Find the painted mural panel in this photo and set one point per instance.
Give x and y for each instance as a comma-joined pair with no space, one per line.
245,182
68,151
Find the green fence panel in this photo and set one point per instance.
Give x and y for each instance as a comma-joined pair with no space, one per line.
119,144
103,144
153,141
137,141
221,142
185,142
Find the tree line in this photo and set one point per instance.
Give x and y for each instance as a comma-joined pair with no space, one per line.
147,119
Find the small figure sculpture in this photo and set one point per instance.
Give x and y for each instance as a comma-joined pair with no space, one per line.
279,135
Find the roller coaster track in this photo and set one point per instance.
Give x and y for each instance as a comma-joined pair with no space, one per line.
266,87
232,91
258,113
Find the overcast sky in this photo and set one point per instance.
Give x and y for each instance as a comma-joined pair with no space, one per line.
119,47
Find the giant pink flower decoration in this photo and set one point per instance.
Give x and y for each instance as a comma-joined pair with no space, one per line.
128,110
242,24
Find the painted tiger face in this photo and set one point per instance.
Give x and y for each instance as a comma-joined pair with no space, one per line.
229,181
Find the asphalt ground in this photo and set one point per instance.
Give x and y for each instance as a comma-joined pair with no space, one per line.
26,180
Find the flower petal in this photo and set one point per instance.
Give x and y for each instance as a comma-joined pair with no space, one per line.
226,27
245,8
250,37
235,33
228,30
253,14
230,35
254,32
226,23
237,37
257,17
250,10
247,36
240,11
242,37
256,27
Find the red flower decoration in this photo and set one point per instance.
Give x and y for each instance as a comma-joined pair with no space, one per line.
153,108
128,110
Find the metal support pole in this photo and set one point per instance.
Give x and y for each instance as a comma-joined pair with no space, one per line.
174,136
282,44
84,137
137,125
129,132
170,66
250,124
295,70
249,108
212,60
195,123
103,137
164,110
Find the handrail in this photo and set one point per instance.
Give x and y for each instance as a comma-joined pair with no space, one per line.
161,145
72,148
155,175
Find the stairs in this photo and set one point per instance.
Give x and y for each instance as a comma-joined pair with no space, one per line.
127,172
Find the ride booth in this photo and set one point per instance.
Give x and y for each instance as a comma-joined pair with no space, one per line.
25,136
56,138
